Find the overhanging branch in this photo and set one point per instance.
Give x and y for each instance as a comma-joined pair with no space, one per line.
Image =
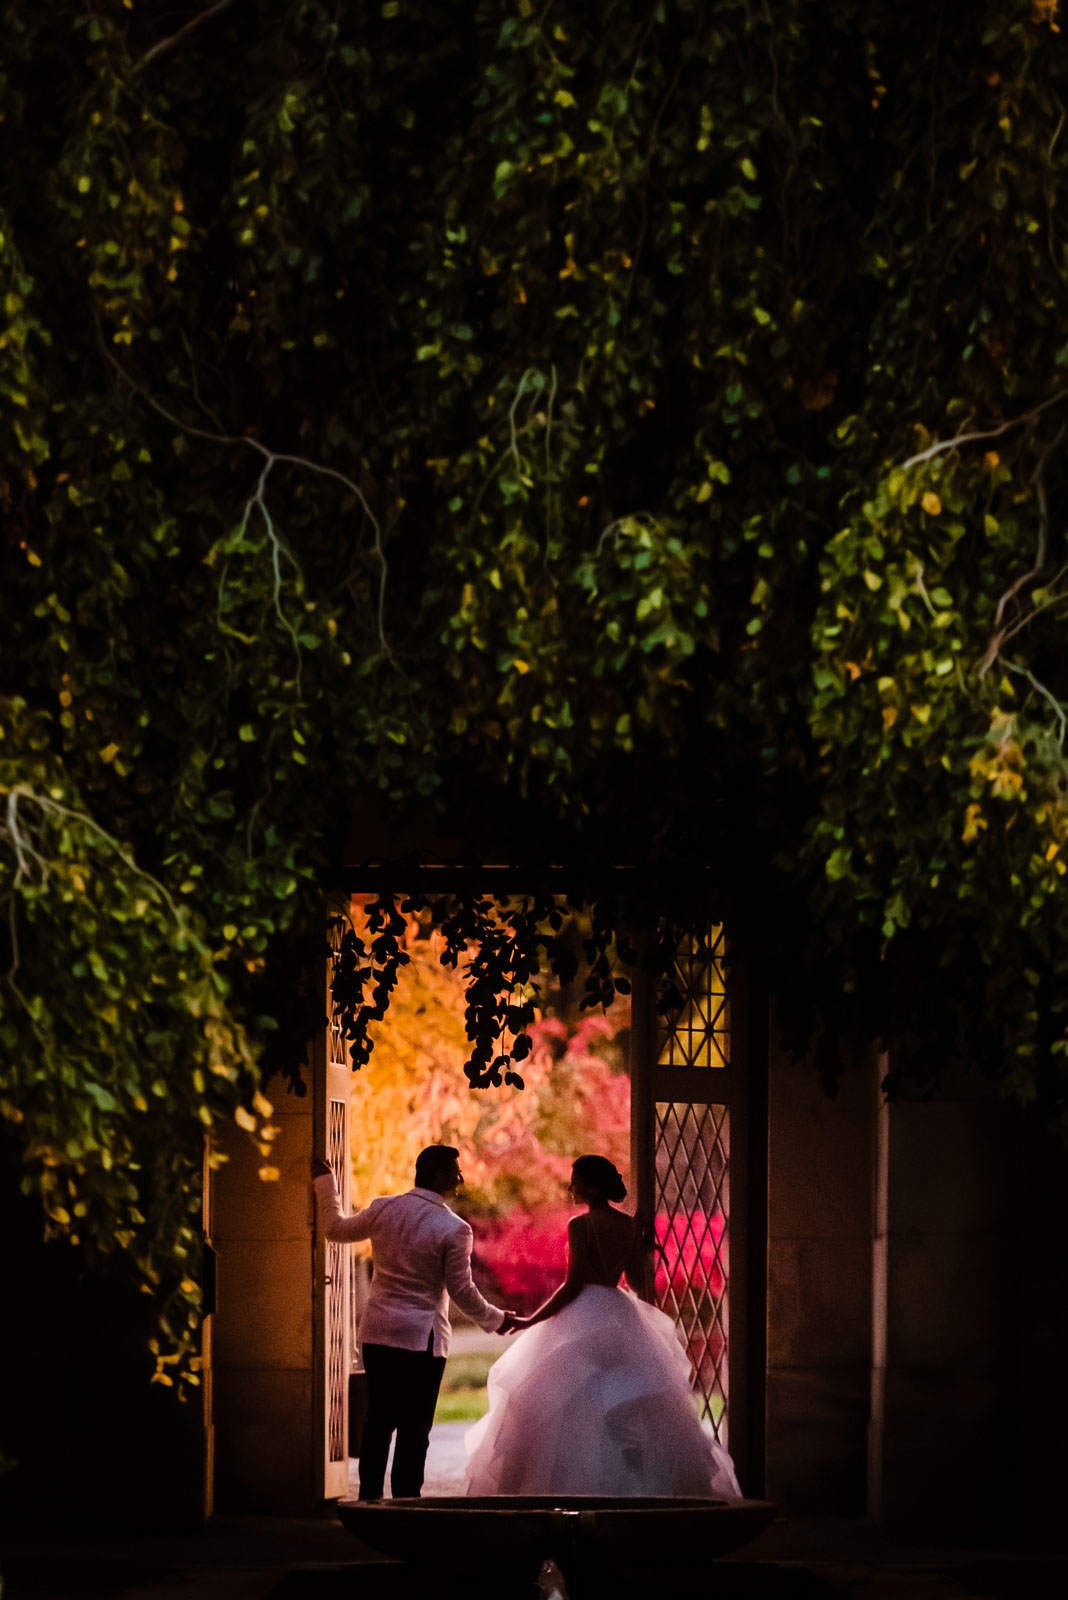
173,40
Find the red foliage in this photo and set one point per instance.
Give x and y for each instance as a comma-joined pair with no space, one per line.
524,1253
681,1260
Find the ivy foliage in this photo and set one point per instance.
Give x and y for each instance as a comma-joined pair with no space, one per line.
630,435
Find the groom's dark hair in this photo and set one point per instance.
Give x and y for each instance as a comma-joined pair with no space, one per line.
432,1162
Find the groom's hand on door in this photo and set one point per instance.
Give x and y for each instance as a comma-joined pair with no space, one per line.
320,1168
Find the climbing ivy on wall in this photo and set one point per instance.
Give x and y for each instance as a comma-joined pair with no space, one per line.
635,432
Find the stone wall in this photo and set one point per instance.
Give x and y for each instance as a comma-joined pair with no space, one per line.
1032,1427
265,1452
819,1286
943,1349
917,1306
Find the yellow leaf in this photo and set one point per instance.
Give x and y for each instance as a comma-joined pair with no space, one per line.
931,504
973,821
244,1119
921,713
889,716
1052,851
990,460
269,1174
33,558
109,752
262,1104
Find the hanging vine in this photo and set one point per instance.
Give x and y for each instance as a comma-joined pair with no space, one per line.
630,442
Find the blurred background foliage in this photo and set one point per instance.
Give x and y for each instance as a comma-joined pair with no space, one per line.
516,1145
636,433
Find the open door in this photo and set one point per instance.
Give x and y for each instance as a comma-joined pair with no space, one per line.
699,1158
207,1326
332,1262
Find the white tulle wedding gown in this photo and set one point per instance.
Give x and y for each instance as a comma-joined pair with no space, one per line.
596,1400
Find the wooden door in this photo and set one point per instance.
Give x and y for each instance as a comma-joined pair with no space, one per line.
332,1262
207,1326
698,1137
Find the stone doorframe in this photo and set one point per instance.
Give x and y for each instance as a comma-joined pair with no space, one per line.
272,1353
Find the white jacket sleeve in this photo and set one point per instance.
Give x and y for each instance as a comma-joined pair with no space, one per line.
333,1223
460,1284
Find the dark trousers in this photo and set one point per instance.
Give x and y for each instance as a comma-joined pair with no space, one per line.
402,1391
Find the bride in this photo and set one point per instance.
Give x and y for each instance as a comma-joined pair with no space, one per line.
594,1397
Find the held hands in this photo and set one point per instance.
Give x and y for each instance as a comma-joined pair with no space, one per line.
513,1324
320,1168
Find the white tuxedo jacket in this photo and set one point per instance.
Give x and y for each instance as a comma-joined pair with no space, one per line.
422,1254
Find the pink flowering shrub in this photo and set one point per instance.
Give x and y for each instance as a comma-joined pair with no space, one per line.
680,1259
517,1206
522,1256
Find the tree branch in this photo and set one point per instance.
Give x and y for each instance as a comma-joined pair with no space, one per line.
271,459
1038,479
1059,711
988,433
175,39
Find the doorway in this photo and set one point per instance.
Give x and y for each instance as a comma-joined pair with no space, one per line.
671,1096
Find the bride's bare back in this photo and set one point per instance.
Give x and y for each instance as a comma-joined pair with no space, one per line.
604,1245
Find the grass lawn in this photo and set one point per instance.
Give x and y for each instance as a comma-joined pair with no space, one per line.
461,1405
463,1388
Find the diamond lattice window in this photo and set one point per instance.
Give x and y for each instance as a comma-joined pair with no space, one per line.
693,1241
698,1035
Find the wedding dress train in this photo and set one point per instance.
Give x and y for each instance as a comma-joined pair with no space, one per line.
596,1400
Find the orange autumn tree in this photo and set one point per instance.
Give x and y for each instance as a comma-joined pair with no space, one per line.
413,1092
516,1146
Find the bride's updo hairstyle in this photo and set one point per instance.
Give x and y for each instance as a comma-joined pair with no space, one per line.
598,1173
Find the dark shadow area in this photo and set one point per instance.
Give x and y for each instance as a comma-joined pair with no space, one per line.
45,1578
731,1581
80,1418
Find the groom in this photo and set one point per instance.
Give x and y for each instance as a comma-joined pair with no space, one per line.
421,1254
